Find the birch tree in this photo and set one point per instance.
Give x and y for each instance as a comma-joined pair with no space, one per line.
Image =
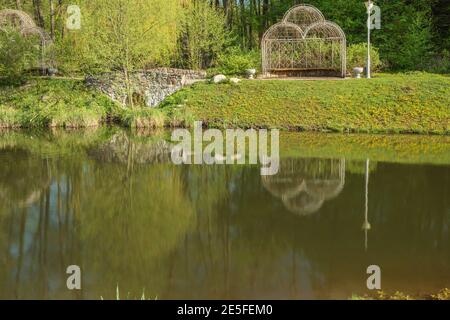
126,35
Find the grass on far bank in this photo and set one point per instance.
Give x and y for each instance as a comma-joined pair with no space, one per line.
389,103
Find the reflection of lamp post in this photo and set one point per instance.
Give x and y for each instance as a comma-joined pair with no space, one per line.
366,225
369,5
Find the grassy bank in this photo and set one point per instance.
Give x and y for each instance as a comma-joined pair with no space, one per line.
52,103
413,103
69,104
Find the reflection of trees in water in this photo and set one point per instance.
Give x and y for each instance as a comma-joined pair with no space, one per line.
21,180
116,220
124,148
249,250
130,221
111,212
37,228
305,184
209,231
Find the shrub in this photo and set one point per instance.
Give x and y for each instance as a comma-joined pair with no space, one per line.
9,117
52,103
357,57
203,36
235,61
81,117
142,118
412,48
440,63
16,55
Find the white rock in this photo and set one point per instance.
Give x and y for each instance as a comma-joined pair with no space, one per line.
235,80
219,78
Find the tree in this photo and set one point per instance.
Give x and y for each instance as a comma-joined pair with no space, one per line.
126,35
38,13
204,34
52,20
17,53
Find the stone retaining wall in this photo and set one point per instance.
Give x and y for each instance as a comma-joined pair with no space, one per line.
149,86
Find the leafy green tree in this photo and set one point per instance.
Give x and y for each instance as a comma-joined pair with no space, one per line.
126,35
234,61
405,40
204,35
357,56
16,54
417,43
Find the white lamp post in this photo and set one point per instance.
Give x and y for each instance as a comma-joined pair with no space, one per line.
369,5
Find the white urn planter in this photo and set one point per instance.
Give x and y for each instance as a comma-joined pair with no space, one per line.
250,73
357,72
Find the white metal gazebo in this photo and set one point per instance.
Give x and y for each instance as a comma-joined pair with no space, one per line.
304,43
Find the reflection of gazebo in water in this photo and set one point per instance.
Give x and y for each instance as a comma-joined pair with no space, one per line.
305,184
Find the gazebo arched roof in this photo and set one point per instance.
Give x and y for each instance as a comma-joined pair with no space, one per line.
303,204
326,189
303,15
21,18
324,30
285,186
283,30
21,21
301,192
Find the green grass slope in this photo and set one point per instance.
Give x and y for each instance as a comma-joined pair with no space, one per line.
389,103
52,103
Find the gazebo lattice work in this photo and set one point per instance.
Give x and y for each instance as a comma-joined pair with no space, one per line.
26,26
304,44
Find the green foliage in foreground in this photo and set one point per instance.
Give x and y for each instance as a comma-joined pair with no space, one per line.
235,61
390,103
443,294
52,103
357,56
16,55
69,104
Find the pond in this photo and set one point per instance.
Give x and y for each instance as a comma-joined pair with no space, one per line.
111,202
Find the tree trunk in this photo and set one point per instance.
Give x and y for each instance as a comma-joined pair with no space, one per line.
52,20
265,12
230,15
18,5
126,69
61,17
128,88
243,27
38,13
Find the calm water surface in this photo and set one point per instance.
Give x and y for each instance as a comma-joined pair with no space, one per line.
112,203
